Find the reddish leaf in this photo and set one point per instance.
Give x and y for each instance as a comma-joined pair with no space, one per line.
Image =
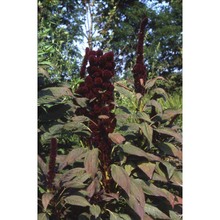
148,168
170,132
136,206
132,150
92,187
121,178
42,165
72,157
69,175
137,192
147,217
91,162
116,138
109,196
46,198
156,191
170,149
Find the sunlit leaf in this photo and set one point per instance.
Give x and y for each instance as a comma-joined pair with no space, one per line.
155,104
72,157
95,210
148,168
42,216
143,116
133,150
77,200
160,93
147,131
170,168
121,178
177,178
150,83
42,165
46,198
116,138
155,212
170,149
170,132
91,162
136,206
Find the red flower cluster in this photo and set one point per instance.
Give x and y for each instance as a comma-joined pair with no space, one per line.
98,88
52,162
139,70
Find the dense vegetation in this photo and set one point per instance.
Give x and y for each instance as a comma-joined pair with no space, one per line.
109,120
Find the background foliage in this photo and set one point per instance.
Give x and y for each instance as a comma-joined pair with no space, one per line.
146,160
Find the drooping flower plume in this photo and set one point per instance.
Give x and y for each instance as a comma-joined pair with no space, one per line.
139,70
52,163
99,89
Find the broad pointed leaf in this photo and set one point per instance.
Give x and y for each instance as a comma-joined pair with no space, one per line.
170,132
147,131
144,116
132,150
170,168
155,104
170,149
46,198
77,200
121,178
95,210
72,157
136,206
137,192
148,168
42,165
91,162
42,216
116,138
150,83
155,212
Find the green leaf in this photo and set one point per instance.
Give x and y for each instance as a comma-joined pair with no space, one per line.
52,94
118,216
177,178
151,189
95,210
155,104
123,91
132,150
155,212
46,198
174,215
170,132
170,149
121,178
144,116
77,200
170,169
148,168
170,113
43,216
147,131
160,93
91,162
150,83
